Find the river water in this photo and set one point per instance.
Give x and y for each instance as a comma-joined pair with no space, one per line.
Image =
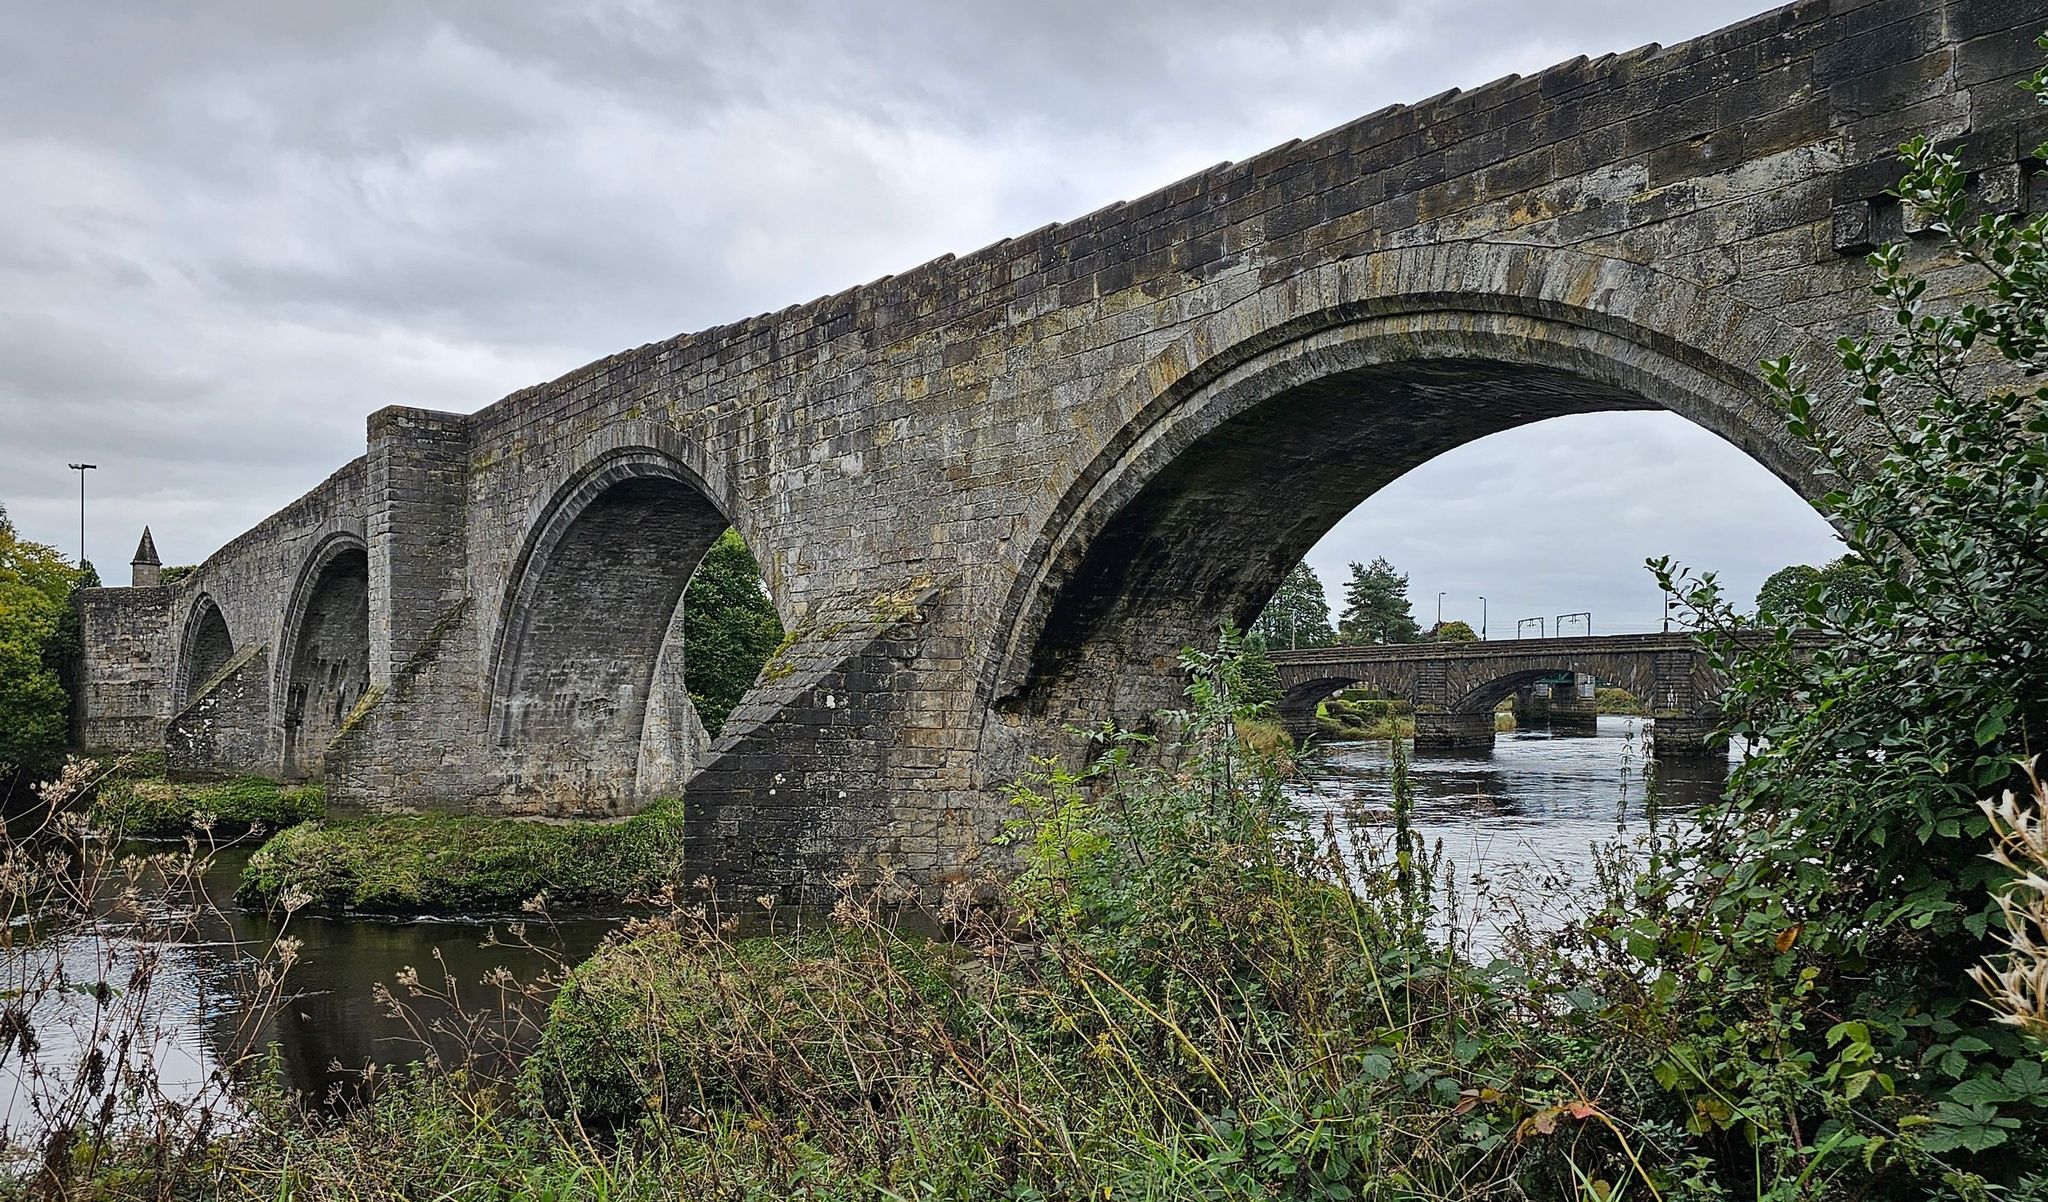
1517,829
1522,829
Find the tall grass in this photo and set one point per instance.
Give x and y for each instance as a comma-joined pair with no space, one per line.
1187,992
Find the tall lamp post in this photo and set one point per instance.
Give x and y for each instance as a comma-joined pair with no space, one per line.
1482,618
82,469
1439,612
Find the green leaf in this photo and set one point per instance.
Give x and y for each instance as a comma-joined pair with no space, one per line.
1989,728
1982,1090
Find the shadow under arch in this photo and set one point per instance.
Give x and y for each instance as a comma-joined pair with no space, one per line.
588,712
1227,473
204,648
323,666
1484,697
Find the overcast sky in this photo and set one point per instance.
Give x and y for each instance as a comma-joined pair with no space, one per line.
229,231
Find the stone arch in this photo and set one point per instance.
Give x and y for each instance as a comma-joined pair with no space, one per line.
588,713
1296,709
323,669
204,648
1640,678
1482,698
1250,436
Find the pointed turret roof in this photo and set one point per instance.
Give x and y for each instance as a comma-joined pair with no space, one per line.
145,551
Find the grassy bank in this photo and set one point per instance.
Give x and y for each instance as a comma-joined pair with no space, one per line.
1348,719
448,863
1611,700
152,807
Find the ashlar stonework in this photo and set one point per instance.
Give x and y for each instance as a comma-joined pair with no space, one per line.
995,494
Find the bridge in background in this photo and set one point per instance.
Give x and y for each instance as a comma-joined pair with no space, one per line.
995,495
1454,687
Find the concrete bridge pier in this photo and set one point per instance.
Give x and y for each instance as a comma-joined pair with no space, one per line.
1532,707
1453,731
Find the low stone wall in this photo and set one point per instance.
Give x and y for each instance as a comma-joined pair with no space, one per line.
125,698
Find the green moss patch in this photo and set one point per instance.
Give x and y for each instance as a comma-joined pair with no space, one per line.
442,862
151,807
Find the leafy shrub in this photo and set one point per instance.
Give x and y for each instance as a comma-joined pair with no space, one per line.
729,628
1816,940
667,1022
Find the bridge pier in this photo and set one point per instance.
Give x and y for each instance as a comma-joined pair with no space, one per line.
1298,720
1573,710
1454,731
1687,736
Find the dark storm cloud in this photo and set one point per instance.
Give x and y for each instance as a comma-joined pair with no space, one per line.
231,230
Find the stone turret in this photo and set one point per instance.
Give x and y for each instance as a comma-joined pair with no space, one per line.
145,570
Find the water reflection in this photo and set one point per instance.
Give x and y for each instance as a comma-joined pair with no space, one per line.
1522,827
199,956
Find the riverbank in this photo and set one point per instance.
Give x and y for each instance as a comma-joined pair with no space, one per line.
440,863
150,806
1185,994
400,864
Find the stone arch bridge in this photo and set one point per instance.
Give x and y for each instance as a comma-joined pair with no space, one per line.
1455,686
995,494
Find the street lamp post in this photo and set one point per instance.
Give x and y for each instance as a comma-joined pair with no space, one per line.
1482,618
82,469
1439,612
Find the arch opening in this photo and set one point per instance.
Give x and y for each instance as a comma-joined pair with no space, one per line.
1194,519
327,662
593,706
205,650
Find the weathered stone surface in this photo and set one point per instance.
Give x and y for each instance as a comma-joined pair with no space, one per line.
131,651
1083,447
226,724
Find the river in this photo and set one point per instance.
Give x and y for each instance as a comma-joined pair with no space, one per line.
1522,829
1517,828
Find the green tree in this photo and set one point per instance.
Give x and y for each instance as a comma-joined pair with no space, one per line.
1453,632
1299,613
1260,676
729,629
1784,592
1376,608
1847,578
35,594
1845,886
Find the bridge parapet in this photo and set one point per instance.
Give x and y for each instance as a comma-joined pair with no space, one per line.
1455,687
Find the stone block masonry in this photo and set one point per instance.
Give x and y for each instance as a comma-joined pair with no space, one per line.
994,495
1454,687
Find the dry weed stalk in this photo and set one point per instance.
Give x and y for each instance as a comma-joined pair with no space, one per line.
94,1046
